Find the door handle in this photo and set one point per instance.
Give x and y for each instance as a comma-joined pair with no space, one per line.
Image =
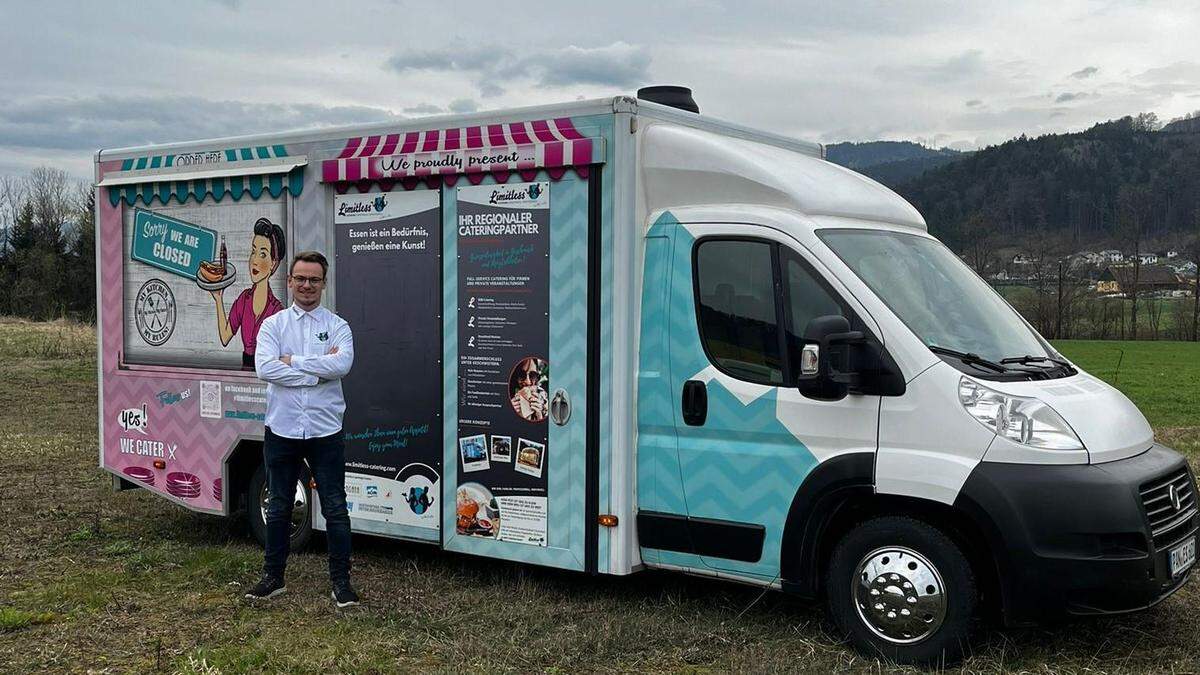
560,407
695,403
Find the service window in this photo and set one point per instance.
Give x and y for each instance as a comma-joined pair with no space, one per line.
736,299
185,305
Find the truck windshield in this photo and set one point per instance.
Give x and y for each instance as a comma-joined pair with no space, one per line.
935,294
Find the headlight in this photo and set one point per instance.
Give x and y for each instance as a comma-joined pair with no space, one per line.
1022,420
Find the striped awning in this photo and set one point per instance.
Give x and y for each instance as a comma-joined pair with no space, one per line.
500,150
203,175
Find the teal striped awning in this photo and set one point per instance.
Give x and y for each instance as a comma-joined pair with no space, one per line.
201,189
212,174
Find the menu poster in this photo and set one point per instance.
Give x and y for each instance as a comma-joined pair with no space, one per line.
387,273
503,372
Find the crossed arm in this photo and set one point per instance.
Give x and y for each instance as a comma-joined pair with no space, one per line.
336,363
270,368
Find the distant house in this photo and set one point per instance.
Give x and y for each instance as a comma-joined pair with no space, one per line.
1112,255
1151,278
1086,259
1172,254
1148,258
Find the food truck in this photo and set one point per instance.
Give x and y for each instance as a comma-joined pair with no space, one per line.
617,334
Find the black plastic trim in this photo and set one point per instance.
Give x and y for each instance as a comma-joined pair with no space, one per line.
1072,539
706,537
825,491
591,525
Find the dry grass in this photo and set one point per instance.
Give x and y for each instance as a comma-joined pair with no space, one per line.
102,582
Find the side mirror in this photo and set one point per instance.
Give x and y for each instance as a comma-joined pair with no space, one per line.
827,370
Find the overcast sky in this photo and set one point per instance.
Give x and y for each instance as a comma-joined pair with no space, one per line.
79,76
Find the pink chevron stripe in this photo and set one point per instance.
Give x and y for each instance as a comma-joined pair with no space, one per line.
519,136
541,129
581,151
474,137
368,148
410,143
431,141
567,129
389,146
351,147
553,154
496,135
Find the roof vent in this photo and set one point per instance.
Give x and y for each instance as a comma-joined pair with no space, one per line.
676,97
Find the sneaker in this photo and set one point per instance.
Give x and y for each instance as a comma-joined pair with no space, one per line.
268,587
344,596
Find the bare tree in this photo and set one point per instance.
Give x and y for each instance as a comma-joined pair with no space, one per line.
980,236
1134,209
12,196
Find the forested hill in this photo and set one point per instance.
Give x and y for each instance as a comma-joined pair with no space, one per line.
889,162
1087,188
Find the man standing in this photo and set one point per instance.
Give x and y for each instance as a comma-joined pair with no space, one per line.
303,353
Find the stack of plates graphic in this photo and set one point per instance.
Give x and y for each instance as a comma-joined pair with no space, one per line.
184,485
140,473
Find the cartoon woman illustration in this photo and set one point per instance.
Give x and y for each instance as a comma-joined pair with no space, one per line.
527,389
256,303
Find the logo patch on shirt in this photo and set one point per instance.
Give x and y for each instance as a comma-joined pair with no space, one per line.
323,336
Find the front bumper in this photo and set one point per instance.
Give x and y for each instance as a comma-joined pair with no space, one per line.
1079,539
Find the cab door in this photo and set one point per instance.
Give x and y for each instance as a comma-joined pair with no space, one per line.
746,437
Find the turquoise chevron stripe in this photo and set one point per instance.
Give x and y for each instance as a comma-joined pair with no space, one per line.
742,465
659,484
601,126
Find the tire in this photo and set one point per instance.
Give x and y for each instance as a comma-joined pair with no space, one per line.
882,590
302,530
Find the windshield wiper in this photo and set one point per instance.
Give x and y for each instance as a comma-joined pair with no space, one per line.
1030,358
968,357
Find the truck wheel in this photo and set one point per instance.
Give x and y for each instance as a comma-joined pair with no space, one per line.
256,509
900,588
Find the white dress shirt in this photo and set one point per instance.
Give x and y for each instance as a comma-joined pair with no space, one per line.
304,400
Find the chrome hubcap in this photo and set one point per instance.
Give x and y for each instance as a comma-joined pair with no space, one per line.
899,595
299,506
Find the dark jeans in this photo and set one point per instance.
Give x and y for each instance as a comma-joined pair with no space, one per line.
326,457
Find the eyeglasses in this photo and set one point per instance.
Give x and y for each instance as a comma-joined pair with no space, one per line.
529,376
308,281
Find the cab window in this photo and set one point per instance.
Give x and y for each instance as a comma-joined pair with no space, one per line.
735,295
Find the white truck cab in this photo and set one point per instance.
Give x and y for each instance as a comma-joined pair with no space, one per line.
859,415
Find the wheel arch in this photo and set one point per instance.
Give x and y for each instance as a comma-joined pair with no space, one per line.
240,464
840,494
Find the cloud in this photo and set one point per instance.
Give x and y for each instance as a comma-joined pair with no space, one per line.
424,109
1180,73
974,103
463,105
617,65
454,60
1068,96
91,122
965,66
1084,73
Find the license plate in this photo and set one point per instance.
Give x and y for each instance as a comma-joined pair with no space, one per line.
1183,557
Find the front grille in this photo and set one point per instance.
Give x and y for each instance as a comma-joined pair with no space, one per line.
1168,524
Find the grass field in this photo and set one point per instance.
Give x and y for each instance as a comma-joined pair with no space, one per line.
102,582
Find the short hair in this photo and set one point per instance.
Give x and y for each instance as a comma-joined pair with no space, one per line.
263,227
312,257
